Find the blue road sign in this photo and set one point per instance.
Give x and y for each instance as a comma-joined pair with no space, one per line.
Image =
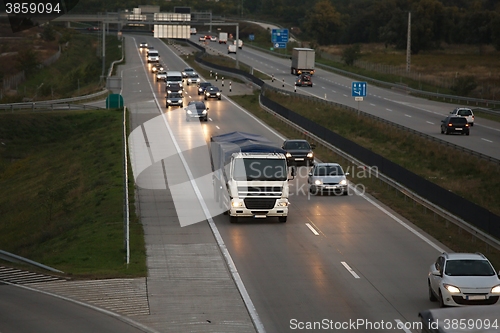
279,36
358,89
251,37
279,45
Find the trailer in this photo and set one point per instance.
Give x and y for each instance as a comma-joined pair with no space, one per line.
303,60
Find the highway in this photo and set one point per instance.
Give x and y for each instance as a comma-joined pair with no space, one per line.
338,258
416,113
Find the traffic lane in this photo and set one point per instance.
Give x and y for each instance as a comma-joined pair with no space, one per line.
386,104
291,273
23,310
233,120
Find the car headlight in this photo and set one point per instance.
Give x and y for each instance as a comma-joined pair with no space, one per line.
207,93
452,289
309,155
204,112
495,290
189,112
200,90
343,182
169,101
318,182
288,155
218,94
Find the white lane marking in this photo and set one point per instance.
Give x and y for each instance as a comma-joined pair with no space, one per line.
407,115
401,325
486,140
395,218
210,119
345,95
312,229
372,104
389,110
217,127
349,269
428,122
334,91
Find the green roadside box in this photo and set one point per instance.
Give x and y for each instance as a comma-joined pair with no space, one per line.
114,101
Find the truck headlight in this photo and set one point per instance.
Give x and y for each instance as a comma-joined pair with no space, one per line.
189,112
282,204
318,182
204,112
309,155
237,204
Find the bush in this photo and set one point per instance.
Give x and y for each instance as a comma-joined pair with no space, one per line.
351,54
464,85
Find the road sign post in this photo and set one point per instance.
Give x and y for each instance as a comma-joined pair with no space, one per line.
358,91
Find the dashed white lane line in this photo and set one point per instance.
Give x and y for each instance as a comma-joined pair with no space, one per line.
401,325
349,269
312,229
389,110
428,122
407,115
486,140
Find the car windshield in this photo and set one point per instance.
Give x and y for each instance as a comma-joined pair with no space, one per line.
193,75
464,112
299,145
174,95
205,84
458,121
468,268
260,169
213,89
328,170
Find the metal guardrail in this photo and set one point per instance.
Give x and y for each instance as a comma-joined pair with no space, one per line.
47,106
365,114
7,256
488,239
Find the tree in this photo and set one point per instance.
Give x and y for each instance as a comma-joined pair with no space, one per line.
351,54
495,32
48,34
324,23
28,62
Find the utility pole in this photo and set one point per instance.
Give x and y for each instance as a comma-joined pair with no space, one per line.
408,45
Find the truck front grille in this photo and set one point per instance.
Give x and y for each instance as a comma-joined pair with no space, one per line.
260,203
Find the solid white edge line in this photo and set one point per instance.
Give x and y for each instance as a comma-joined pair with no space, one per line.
312,229
90,306
395,218
232,267
349,269
402,326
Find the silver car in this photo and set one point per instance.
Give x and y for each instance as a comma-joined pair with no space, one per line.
192,78
327,177
457,279
162,75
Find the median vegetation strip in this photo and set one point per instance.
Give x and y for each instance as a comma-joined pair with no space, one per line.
61,175
435,163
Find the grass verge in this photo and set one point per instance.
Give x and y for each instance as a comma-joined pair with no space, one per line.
445,232
62,201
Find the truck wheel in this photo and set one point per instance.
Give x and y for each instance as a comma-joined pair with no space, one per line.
282,219
233,219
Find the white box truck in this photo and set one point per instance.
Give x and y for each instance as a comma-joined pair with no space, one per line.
250,176
222,37
302,61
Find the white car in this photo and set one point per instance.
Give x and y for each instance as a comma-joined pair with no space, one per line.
464,112
161,75
457,279
327,177
213,38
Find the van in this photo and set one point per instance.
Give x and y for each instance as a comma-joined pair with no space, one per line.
174,77
153,56
231,48
239,43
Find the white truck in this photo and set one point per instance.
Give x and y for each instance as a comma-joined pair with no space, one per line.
250,176
303,60
222,37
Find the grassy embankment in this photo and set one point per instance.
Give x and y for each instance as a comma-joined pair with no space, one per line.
61,176
470,177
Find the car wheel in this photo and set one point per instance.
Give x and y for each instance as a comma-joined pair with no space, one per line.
432,297
313,190
467,133
282,219
442,131
471,124
345,192
220,98
206,98
446,132
441,301
206,119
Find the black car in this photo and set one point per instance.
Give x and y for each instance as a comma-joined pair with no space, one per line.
157,68
454,124
304,80
173,98
202,86
212,92
196,109
299,152
173,87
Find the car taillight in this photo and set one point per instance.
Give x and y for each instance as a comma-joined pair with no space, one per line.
450,125
466,125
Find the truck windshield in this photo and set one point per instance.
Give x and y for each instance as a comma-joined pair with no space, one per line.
260,169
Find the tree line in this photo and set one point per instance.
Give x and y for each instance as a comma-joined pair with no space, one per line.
326,22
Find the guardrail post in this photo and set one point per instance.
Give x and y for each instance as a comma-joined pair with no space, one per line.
32,106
